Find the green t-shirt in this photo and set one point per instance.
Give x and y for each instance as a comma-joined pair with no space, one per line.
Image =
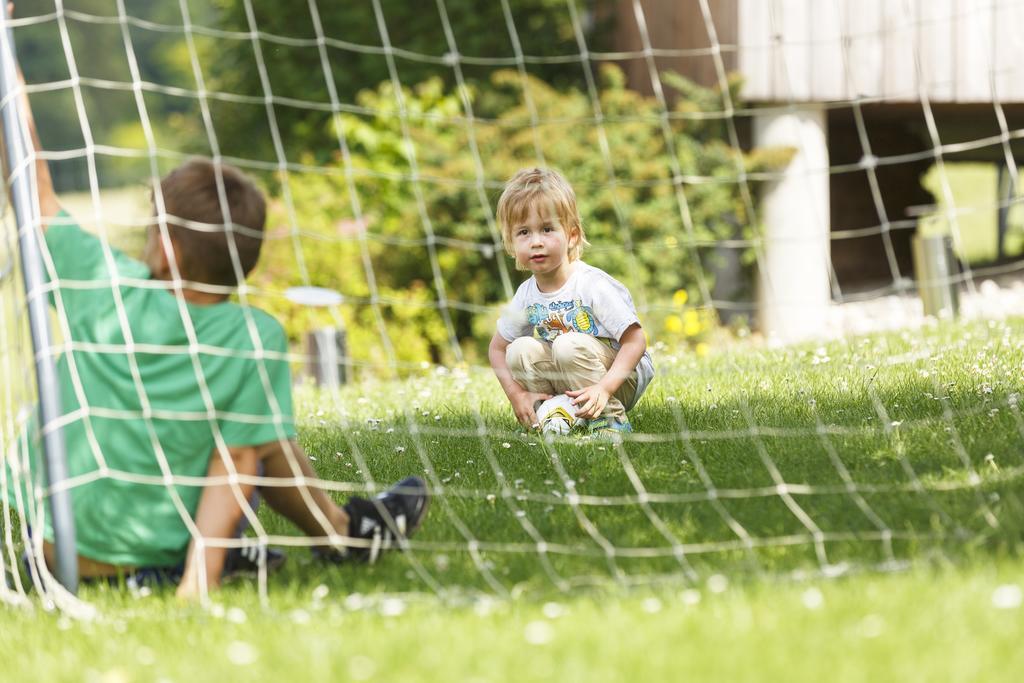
119,518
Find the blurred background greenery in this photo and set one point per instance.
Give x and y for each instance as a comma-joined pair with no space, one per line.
360,183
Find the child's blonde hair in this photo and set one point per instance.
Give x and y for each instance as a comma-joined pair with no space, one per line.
540,184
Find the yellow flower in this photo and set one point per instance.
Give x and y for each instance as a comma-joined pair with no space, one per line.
691,323
674,324
702,349
680,297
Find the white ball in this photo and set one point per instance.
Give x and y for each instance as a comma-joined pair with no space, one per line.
557,415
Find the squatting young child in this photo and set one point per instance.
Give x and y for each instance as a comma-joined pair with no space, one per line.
164,376
570,328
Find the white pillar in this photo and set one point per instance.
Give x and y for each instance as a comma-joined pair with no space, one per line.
793,292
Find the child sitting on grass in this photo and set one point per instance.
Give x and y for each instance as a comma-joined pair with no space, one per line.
165,381
570,328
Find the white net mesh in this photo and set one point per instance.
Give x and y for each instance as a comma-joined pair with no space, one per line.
382,163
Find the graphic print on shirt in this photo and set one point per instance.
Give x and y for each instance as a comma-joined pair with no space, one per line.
558,317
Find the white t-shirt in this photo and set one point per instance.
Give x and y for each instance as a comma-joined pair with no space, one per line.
591,302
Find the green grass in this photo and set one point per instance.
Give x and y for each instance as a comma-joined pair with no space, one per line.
936,625
927,426
974,192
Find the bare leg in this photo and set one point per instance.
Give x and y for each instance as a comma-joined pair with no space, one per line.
87,567
219,512
300,504
220,507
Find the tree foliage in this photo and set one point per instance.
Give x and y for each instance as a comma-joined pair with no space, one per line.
426,199
392,181
85,38
289,64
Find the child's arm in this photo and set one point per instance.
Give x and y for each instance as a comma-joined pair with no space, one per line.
218,516
48,205
592,400
522,400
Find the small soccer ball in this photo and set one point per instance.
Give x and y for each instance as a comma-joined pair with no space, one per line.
557,415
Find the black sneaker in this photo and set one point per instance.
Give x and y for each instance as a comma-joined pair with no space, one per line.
385,521
246,561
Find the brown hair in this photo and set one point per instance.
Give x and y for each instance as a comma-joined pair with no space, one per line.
190,194
527,187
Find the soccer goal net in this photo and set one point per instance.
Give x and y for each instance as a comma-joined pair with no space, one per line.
813,205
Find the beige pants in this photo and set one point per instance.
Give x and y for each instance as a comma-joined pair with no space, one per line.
573,361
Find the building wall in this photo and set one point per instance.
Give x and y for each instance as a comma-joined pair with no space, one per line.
870,242
899,51
679,37
956,51
925,77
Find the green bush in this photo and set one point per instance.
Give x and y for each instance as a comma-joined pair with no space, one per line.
630,207
416,32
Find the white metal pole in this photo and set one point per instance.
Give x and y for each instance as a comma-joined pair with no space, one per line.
27,219
794,288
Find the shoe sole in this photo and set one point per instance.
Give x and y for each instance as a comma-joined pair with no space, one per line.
426,507
272,564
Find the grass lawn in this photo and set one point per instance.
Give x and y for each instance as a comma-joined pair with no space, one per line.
927,625
846,512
